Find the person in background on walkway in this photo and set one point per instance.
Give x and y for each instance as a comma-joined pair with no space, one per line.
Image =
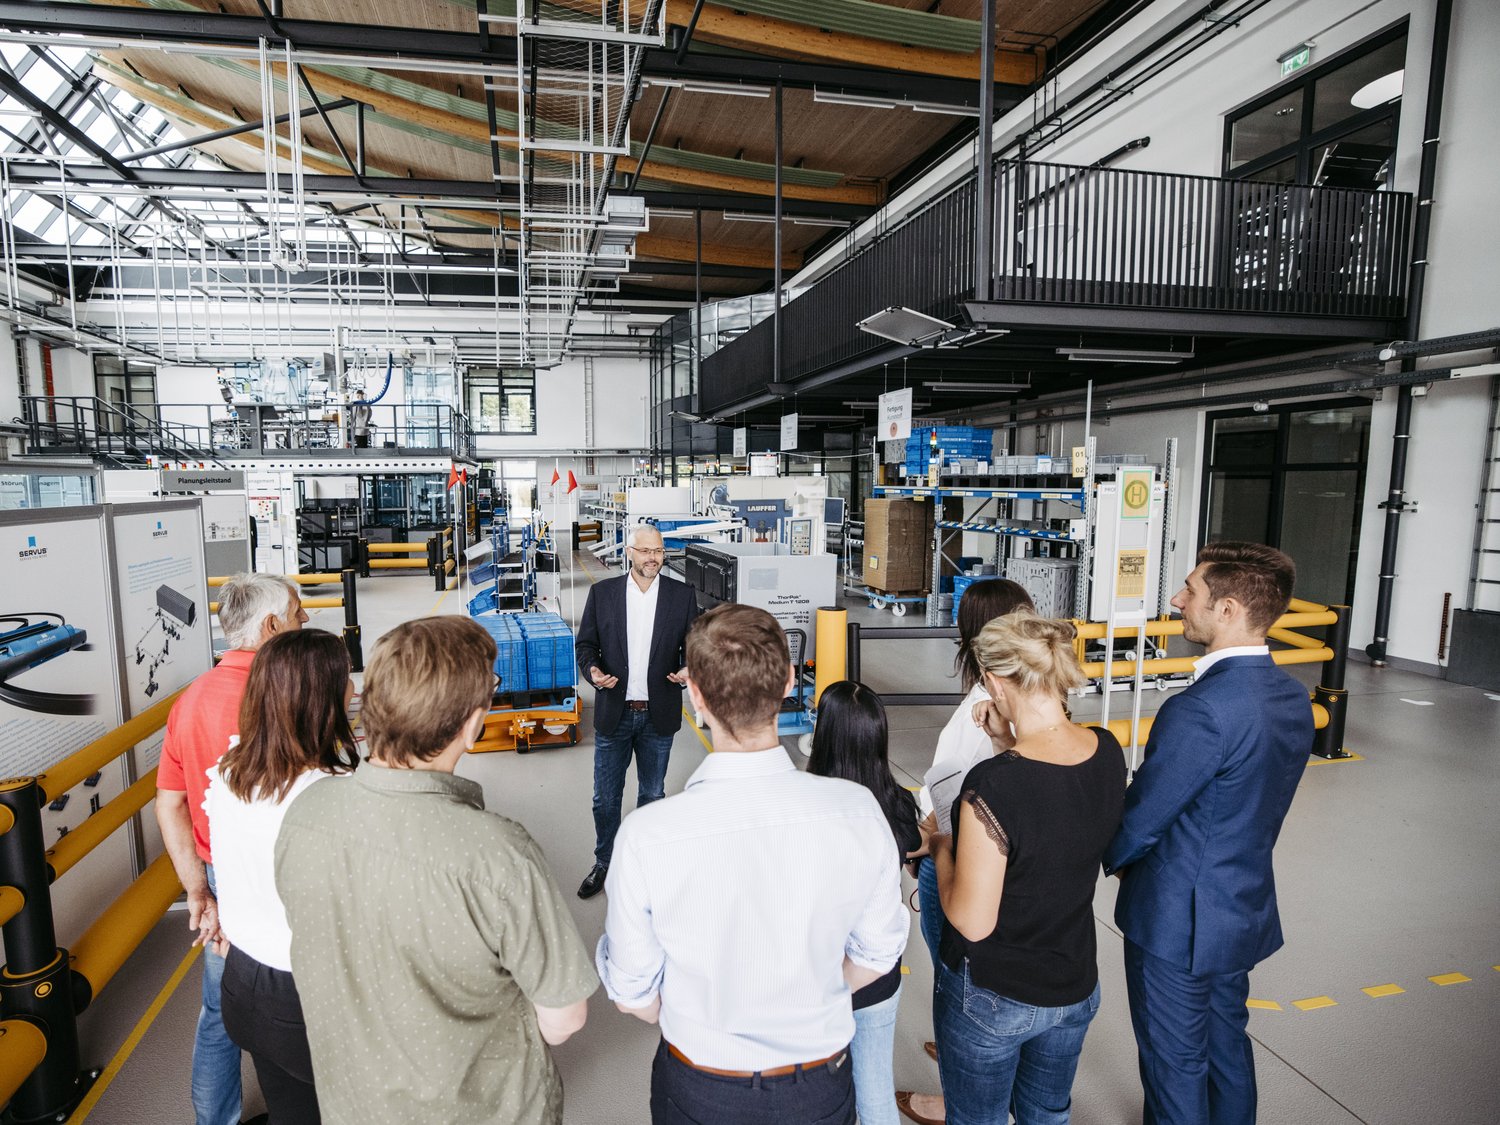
1018,982
1197,901
745,910
293,732
630,647
432,949
850,741
253,608
963,744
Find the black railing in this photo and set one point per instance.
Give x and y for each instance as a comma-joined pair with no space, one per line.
1108,238
132,435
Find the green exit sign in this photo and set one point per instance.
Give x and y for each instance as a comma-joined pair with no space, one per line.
1295,60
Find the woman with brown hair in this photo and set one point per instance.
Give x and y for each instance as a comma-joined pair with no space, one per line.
294,732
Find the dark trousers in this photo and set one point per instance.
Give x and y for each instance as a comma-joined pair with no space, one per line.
634,737
263,1014
1195,1058
681,1095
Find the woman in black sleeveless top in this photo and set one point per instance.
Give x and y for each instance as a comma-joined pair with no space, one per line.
1019,984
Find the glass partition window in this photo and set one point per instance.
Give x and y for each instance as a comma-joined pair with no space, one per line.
502,401
1349,104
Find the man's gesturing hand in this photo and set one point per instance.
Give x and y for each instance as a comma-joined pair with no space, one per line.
600,680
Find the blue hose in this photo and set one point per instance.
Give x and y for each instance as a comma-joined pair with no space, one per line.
390,364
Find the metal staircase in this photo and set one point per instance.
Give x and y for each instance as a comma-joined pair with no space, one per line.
117,436
1484,569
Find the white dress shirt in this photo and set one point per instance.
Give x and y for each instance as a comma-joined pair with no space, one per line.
1209,659
640,622
961,746
244,833
736,902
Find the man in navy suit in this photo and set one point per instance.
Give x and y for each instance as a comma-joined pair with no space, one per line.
630,647
1197,902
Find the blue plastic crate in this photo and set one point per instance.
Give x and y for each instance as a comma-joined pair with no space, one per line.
510,646
961,582
549,651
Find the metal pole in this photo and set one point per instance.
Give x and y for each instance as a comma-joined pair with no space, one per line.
851,654
776,282
1395,503
1329,742
36,983
984,219
352,640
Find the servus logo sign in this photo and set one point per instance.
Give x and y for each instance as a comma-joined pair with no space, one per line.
31,550
160,532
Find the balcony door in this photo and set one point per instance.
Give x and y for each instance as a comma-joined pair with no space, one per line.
1293,478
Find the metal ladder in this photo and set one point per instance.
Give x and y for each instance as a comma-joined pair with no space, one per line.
1484,569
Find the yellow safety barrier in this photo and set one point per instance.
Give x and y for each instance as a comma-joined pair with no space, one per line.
1176,665
1120,728
23,1045
394,548
105,749
300,579
347,602
7,819
394,564
124,924
11,902
63,855
1097,630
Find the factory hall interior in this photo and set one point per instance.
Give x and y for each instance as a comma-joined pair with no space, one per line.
836,562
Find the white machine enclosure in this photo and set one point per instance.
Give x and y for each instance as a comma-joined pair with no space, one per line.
789,587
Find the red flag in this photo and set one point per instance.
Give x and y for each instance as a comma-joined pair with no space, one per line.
572,481
556,476
463,476
452,477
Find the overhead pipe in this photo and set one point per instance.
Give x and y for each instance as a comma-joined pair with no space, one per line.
984,220
1395,503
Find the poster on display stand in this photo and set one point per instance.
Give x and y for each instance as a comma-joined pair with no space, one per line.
59,685
162,619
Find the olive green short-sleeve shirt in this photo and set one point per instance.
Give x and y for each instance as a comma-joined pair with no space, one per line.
423,931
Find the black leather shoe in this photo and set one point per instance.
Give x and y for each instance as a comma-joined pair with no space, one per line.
593,882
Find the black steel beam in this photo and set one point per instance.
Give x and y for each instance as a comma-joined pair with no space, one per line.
755,204
221,134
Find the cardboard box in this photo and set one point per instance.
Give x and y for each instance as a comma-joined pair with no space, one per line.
898,545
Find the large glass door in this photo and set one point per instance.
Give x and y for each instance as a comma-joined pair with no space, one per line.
1293,478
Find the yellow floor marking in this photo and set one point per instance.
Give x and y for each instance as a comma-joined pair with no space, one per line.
1383,990
1263,1005
707,745
905,970
1317,761
1450,978
116,1064
440,601
1313,1002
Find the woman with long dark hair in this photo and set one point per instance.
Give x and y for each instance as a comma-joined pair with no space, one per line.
850,741
294,732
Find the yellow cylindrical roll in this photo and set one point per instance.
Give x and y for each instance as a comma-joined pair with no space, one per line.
832,651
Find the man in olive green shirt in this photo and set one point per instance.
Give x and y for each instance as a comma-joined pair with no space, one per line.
431,947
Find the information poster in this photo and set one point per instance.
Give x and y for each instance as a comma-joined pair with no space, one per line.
895,415
788,432
741,441
1130,575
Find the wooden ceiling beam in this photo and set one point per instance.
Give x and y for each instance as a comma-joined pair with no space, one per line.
762,34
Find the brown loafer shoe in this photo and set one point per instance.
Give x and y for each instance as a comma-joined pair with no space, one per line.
931,1049
903,1103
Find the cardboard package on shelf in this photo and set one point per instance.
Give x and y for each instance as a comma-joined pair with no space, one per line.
898,545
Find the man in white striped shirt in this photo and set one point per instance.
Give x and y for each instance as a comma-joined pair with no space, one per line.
744,911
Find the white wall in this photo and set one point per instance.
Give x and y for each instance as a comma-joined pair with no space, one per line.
619,410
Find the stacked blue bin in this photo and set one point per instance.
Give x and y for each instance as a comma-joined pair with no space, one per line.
957,443
510,650
961,582
549,651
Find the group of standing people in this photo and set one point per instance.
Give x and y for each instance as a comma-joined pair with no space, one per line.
386,950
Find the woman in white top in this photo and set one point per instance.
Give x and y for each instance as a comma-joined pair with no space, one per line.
961,746
294,732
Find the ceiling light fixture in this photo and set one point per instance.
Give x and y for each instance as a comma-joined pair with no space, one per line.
955,385
732,89
951,110
1122,355
905,326
747,217
864,102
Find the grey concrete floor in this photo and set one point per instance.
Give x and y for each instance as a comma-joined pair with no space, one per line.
1386,872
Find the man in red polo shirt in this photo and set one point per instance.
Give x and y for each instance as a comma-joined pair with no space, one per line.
253,608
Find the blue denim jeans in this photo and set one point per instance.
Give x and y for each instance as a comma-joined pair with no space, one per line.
998,1056
872,1050
635,736
930,908
216,1059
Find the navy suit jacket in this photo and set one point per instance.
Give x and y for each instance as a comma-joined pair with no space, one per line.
1221,767
604,641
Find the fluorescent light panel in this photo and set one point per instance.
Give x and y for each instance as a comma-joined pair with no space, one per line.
1122,355
957,385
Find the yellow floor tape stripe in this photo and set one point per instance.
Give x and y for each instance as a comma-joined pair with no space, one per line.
1450,978
133,1041
1314,1002
1380,990
707,745
431,612
1263,1005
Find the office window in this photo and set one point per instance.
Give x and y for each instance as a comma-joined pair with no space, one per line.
502,401
1333,123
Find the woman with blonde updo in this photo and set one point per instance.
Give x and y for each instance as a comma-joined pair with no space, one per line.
1018,982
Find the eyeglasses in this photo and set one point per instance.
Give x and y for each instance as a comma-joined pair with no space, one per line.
650,552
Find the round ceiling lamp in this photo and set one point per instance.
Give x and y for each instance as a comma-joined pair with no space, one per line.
1386,88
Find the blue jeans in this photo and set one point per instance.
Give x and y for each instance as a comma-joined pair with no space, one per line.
1195,1058
216,1059
872,1050
998,1056
930,907
612,753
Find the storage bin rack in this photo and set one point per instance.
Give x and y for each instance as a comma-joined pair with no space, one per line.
536,702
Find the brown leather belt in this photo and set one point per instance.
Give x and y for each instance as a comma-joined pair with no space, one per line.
774,1072
637,704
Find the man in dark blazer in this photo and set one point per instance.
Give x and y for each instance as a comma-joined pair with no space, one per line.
1197,902
630,647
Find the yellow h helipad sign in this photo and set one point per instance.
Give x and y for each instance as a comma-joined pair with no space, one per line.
1135,495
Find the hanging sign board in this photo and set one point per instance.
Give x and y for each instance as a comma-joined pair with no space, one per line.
788,432
741,441
1135,494
895,415
765,464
